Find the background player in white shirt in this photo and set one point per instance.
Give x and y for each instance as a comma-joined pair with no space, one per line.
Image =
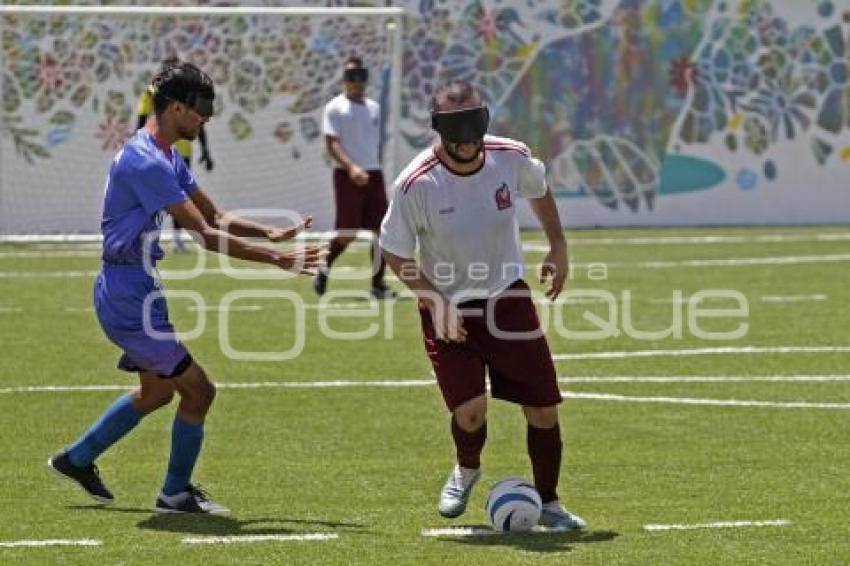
352,128
455,201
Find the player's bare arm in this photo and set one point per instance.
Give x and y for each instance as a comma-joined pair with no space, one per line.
242,227
448,322
303,260
555,266
358,175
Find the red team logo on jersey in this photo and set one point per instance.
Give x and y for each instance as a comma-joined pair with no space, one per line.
503,197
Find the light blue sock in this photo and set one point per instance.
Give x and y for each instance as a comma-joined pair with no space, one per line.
119,419
186,440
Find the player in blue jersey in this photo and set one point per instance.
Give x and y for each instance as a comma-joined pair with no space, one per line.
147,179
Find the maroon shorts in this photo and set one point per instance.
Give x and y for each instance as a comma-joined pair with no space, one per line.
520,368
359,208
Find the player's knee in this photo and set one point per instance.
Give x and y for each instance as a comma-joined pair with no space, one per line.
149,399
210,392
198,397
470,415
161,399
203,395
541,417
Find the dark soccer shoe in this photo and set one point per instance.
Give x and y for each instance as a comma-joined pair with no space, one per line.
193,500
382,292
320,283
86,478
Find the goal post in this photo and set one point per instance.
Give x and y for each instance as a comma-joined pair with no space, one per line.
70,77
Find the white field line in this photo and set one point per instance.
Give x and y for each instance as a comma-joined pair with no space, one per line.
485,532
727,350
404,383
604,397
794,298
353,273
247,539
736,262
702,240
49,542
232,385
47,274
167,235
10,310
529,246
709,379
49,254
611,397
719,525
774,299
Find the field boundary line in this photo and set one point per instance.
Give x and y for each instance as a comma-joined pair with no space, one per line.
616,398
719,525
49,542
486,532
722,350
249,539
353,272
404,383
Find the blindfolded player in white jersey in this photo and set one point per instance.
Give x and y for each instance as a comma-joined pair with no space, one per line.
455,203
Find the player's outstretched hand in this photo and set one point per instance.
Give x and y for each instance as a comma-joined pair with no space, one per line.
304,261
281,234
554,271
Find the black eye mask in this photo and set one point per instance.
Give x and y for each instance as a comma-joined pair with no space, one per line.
356,75
193,99
200,104
462,126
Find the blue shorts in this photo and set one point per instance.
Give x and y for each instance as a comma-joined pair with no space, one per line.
119,301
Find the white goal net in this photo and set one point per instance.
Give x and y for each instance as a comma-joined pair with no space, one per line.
70,78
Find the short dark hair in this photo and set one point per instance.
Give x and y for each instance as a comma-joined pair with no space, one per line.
179,82
355,60
170,61
455,91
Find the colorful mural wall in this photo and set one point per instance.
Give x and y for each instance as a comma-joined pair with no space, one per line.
647,112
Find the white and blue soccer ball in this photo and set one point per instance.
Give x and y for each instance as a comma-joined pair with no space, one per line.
513,505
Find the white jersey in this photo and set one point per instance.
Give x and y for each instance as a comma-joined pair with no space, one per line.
465,225
358,127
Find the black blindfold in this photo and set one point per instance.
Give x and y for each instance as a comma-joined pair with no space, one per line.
194,100
200,104
462,126
356,75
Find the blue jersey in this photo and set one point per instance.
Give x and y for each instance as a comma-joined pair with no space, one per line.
143,180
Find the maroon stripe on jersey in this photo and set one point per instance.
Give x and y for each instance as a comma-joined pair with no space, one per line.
426,166
500,146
